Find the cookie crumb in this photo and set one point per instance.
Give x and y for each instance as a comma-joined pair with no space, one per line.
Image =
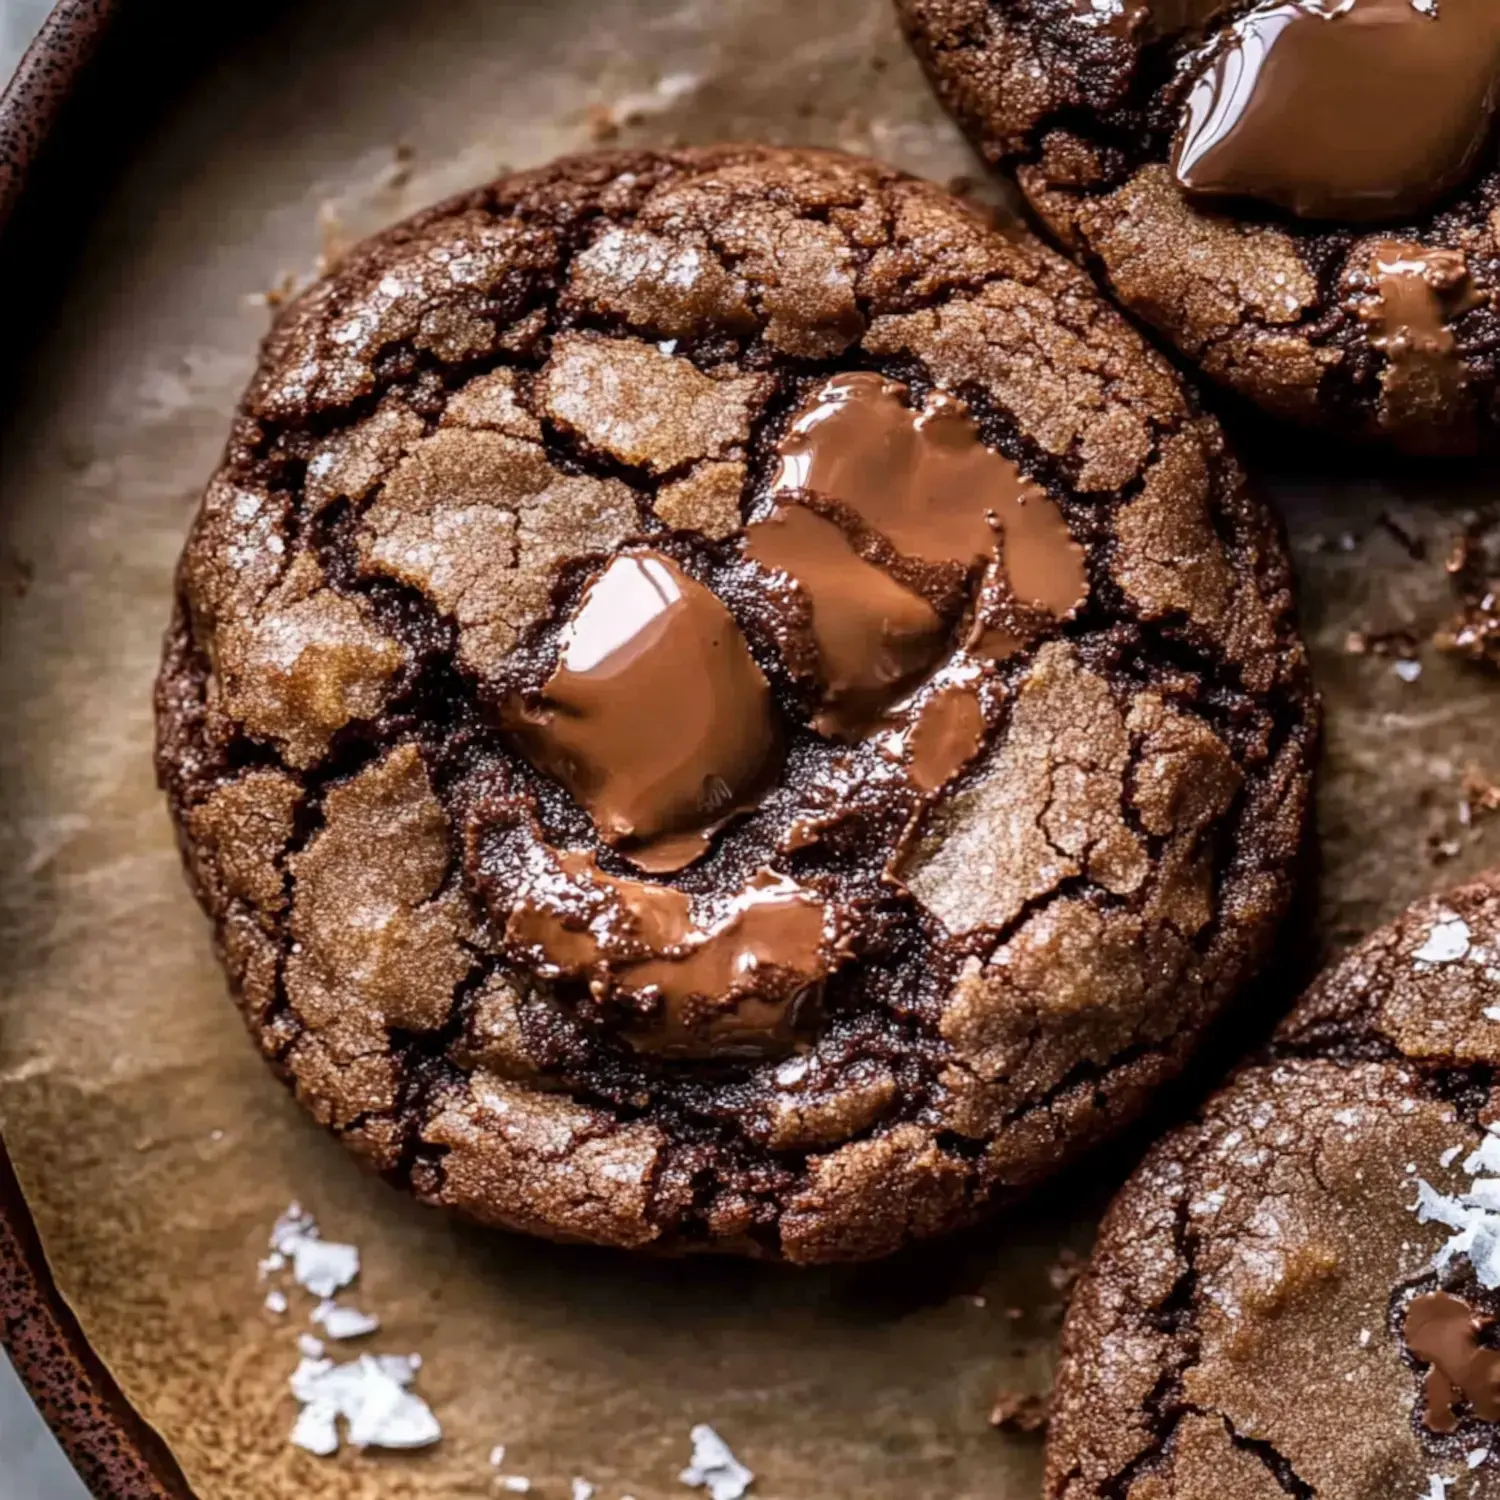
714,1468
1473,631
600,122
1401,644
1020,1412
1064,1272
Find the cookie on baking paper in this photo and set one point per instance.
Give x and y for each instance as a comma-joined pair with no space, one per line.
1298,1293
1301,195
718,701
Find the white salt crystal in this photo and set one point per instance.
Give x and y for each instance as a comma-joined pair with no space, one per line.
370,1395
714,1468
275,1302
344,1322
324,1267
1446,943
292,1226
316,1428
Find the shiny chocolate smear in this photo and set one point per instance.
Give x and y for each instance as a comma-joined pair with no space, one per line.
576,918
874,637
1418,291
947,735
1443,1331
1354,110
737,989
925,481
730,988
657,719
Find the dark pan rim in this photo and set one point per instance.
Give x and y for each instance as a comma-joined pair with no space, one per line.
117,1455
33,100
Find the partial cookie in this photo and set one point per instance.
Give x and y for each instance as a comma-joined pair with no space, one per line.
1298,1294
718,701
1300,195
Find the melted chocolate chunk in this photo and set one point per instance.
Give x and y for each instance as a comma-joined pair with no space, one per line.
925,481
1360,110
874,637
1417,293
731,987
1443,1331
738,988
947,734
657,718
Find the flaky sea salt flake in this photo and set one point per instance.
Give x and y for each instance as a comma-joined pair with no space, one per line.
1486,1158
344,1322
294,1225
1432,1207
582,1490
324,1267
1446,943
316,1429
714,1468
370,1395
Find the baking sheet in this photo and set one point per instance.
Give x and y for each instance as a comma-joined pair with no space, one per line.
155,1148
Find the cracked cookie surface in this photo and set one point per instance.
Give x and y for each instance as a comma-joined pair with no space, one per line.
1281,1300
711,686
1385,329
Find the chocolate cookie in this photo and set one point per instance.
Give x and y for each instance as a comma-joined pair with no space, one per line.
716,700
1298,1294
1301,195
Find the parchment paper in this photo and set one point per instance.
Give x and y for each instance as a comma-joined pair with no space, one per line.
154,1146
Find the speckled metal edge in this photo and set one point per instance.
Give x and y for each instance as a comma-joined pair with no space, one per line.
114,1451
35,96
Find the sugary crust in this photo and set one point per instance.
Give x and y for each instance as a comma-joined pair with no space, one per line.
443,438
1084,114
1238,1332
